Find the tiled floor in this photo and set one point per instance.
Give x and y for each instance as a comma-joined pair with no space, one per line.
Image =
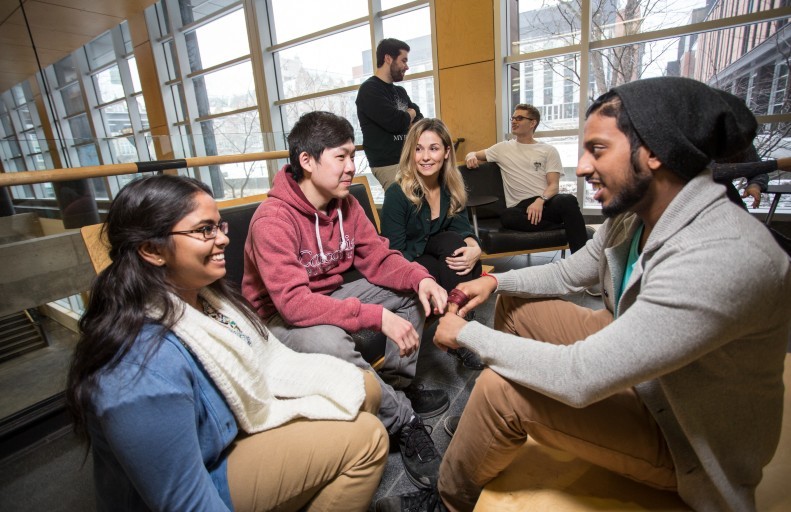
437,370
55,476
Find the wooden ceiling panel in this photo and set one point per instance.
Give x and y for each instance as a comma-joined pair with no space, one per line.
58,26
123,10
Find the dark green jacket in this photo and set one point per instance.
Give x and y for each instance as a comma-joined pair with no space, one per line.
409,229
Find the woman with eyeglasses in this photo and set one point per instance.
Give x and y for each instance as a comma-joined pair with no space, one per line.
186,399
424,213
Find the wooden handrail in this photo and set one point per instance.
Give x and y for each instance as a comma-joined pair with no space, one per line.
97,171
7,179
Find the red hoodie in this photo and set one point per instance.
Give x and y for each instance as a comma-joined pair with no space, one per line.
294,256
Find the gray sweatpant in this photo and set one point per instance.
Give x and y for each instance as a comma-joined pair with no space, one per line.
395,374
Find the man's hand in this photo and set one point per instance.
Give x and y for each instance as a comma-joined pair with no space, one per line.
401,332
471,160
427,291
448,331
478,291
755,192
463,259
535,210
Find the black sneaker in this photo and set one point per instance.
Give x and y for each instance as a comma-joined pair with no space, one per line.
467,357
421,459
426,500
427,403
451,423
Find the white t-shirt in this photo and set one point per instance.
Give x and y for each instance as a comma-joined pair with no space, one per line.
524,168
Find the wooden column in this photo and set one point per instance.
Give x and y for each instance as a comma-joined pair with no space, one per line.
466,60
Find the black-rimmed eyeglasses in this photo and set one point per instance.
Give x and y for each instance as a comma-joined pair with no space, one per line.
521,118
209,232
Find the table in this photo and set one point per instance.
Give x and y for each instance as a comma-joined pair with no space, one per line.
475,201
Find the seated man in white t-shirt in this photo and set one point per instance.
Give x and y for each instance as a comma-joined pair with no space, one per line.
531,177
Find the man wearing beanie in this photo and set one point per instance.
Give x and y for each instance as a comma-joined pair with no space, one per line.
672,384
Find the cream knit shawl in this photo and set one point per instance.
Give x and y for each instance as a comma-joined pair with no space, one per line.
266,384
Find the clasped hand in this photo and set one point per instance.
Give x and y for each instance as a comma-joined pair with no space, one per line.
478,291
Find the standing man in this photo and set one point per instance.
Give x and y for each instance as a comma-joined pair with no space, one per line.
531,173
303,240
673,384
385,110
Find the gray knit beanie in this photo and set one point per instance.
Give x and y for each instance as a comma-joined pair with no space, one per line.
686,123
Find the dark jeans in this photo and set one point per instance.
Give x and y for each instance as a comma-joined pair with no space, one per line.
439,247
561,211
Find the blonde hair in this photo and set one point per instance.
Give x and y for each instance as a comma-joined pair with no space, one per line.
411,182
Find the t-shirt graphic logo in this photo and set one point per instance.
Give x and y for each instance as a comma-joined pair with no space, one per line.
537,165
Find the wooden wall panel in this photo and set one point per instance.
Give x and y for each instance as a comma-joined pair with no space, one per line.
468,105
465,53
465,31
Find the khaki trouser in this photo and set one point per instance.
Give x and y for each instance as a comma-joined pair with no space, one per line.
617,433
326,465
385,175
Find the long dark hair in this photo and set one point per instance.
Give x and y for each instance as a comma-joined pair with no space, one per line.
144,211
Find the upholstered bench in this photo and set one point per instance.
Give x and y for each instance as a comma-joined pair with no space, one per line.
545,479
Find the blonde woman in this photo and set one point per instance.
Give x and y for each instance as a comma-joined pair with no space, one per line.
424,214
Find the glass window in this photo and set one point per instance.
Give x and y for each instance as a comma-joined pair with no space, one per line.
65,72
235,134
328,63
228,89
340,104
72,99
108,84
290,21
127,38
136,86
170,50
194,11
141,109
387,4
122,150
414,28
87,155
211,44
80,129
6,123
25,119
116,119
546,24
421,92
642,17
32,143
177,100
100,51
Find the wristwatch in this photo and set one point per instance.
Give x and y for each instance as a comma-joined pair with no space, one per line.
545,198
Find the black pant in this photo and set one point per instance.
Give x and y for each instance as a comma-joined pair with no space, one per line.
439,247
561,211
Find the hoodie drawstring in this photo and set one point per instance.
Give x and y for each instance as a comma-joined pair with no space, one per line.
318,236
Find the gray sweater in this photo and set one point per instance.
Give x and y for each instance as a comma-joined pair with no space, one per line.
701,334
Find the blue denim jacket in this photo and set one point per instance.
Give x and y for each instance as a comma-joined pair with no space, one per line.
159,431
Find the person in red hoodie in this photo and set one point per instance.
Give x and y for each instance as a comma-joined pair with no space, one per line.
302,240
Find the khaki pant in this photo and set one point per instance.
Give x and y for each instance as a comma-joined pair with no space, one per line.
385,175
617,433
319,465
